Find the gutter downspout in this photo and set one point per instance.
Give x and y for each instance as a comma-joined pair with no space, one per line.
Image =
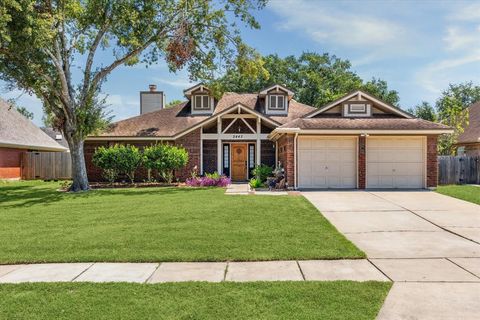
295,161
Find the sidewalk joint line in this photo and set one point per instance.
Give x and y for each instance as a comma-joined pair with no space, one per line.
301,271
225,272
373,264
150,276
462,268
75,278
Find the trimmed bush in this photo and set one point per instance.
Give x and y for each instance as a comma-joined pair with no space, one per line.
118,159
106,159
255,183
165,159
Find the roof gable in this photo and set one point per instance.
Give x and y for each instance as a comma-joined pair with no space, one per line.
16,131
276,88
360,95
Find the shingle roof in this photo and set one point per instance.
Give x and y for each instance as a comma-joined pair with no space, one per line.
16,131
472,131
172,121
363,124
52,133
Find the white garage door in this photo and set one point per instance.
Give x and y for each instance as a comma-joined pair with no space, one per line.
327,162
395,162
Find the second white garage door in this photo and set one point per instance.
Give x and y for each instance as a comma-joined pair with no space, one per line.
395,162
327,162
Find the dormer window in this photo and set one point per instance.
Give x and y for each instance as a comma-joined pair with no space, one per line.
277,102
201,102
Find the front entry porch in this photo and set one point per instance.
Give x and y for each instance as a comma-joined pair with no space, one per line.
235,143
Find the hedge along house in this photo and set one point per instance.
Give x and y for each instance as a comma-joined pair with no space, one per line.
357,141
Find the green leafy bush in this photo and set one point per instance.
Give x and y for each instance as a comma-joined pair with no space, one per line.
106,159
214,175
165,159
129,159
117,159
262,172
255,183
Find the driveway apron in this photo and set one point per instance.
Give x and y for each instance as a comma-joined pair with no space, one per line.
427,243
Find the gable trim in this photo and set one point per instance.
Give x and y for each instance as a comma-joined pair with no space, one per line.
364,95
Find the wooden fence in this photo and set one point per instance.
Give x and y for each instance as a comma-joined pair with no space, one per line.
458,170
46,165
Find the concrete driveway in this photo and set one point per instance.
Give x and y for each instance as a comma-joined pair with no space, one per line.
427,243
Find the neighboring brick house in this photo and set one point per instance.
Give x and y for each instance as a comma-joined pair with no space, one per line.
469,140
357,141
17,136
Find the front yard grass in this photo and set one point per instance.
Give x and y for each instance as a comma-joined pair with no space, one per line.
39,224
464,192
259,300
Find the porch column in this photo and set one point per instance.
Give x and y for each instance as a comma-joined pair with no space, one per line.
259,142
219,146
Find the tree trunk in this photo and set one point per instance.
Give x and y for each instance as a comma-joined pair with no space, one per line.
79,170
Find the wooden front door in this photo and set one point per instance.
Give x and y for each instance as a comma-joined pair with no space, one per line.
239,162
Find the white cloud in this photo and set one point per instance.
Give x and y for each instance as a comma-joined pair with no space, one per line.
467,13
122,107
459,38
373,36
175,82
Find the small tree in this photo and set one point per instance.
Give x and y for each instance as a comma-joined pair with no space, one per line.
129,158
107,159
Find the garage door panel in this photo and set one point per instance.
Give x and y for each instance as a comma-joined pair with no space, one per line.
331,162
395,162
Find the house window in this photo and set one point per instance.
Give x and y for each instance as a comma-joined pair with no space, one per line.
277,102
202,102
360,108
226,153
251,156
357,109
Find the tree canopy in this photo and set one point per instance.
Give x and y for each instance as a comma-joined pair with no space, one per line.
315,78
51,48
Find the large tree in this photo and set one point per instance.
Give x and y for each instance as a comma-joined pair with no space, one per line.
424,111
51,48
452,111
315,78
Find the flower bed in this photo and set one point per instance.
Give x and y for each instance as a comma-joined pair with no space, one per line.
220,181
105,185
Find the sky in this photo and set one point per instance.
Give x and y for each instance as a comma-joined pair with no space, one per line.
418,47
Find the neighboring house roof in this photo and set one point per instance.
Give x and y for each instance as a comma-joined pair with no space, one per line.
57,136
173,121
16,131
472,131
362,124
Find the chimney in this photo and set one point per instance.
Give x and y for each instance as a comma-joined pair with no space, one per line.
151,100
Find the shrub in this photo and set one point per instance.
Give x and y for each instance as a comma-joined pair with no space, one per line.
214,175
106,159
129,158
262,172
165,159
117,159
255,183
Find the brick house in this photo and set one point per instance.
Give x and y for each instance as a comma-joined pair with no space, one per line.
468,143
357,141
17,136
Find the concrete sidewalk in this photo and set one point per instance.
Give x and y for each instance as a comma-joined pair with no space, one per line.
320,270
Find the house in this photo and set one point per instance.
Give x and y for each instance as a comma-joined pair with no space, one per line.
17,136
357,141
469,140
57,136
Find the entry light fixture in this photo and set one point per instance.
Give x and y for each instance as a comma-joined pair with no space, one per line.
364,135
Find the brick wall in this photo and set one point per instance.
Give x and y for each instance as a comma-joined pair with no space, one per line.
286,157
361,163
10,163
210,156
432,165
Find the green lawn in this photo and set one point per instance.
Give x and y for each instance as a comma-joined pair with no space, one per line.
259,300
467,193
39,224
